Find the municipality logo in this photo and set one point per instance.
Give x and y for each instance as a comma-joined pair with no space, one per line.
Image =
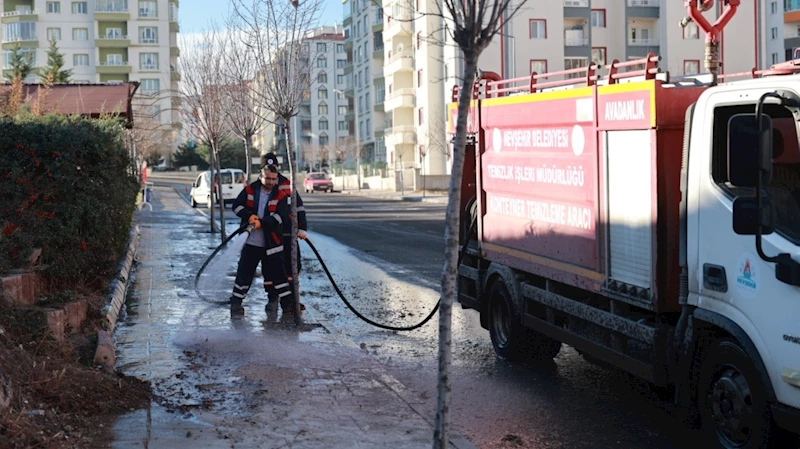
747,276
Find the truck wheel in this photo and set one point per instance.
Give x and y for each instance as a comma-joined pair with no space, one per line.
510,339
732,399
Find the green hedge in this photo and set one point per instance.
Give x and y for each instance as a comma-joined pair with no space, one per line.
65,187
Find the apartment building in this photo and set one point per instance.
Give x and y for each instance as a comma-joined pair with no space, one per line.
364,47
321,127
105,41
787,13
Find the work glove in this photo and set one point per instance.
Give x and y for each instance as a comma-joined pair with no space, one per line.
301,234
253,220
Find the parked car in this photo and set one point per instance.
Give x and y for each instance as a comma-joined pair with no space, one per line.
317,181
232,183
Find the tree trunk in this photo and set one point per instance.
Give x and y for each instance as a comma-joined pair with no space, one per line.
220,200
298,318
441,431
212,171
248,145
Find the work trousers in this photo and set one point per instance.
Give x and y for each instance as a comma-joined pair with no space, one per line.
287,259
272,267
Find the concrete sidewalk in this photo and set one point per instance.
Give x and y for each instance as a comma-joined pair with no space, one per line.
427,197
250,382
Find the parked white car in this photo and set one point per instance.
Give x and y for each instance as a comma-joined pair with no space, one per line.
232,183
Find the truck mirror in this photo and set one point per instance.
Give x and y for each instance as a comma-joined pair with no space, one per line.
744,160
747,216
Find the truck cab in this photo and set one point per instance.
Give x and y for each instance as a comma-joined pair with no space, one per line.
651,223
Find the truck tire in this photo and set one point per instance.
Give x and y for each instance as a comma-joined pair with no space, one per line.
510,339
732,399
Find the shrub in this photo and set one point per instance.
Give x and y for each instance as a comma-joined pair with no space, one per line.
65,187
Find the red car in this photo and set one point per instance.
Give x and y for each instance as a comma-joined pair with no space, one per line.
317,181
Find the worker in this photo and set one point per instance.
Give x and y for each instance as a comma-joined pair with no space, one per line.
258,205
285,189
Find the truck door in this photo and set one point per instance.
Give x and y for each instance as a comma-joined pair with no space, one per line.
727,276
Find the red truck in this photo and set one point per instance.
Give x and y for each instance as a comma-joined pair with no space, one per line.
632,217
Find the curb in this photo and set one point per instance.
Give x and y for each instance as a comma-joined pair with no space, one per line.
105,352
457,440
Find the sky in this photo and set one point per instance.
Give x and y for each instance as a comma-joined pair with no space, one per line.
194,15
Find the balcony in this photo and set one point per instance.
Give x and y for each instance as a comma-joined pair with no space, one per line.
400,135
19,16
113,41
400,62
651,42
347,21
378,53
175,51
175,75
113,10
350,116
377,27
791,5
401,98
379,107
644,3
576,3
399,24
113,68
174,27
348,68
576,41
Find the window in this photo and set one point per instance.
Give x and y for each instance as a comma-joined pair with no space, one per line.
419,78
149,86
342,125
323,138
173,12
785,181
575,63
80,60
339,48
342,110
80,34
773,7
691,31
323,123
339,79
322,78
148,61
538,29
691,67
321,47
774,58
155,111
366,100
598,18
20,31
539,66
27,53
54,7
322,93
148,35
360,105
599,55
421,116
114,59
54,34
113,33
773,33
323,109
148,9
322,62
341,63
79,8
419,38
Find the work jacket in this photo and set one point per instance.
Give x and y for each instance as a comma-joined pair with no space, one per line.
275,214
284,189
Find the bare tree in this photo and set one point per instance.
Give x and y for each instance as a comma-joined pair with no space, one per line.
276,30
204,95
241,66
148,135
471,25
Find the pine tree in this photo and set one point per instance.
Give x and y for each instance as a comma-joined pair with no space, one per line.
20,64
55,62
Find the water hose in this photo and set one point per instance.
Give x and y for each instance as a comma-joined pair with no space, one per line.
245,228
249,228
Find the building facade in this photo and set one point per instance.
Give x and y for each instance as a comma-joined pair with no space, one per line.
366,88
320,130
105,41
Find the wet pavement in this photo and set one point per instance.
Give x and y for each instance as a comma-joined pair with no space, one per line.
250,382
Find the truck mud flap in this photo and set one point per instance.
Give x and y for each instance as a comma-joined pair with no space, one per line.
654,370
468,294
